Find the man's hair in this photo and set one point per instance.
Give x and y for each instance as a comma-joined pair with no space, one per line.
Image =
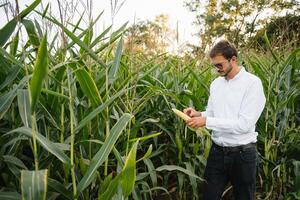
223,48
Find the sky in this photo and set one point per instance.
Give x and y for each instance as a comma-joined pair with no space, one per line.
148,9
133,10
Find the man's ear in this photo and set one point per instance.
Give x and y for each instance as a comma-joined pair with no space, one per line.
234,58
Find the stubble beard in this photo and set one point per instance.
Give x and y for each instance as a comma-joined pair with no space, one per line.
227,71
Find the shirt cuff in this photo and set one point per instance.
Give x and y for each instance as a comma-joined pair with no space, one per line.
210,122
203,114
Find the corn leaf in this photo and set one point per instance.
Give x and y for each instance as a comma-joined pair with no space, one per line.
152,171
111,188
115,151
193,181
7,30
30,8
270,47
147,154
9,58
87,39
84,46
44,142
30,29
38,28
50,92
59,187
76,26
14,45
10,195
118,32
104,151
200,81
7,98
45,11
24,107
34,184
98,110
10,77
115,67
14,160
77,40
5,102
39,73
104,184
177,168
129,171
98,38
296,164
88,86
114,36
145,137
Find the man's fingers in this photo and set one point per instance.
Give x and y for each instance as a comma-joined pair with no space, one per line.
193,122
190,122
193,114
189,111
192,125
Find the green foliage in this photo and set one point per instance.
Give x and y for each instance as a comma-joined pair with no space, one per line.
279,124
282,31
88,86
34,184
235,19
39,73
48,145
104,151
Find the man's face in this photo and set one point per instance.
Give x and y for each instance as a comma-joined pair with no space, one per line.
222,65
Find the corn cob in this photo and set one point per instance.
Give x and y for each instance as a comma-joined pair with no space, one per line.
181,114
199,131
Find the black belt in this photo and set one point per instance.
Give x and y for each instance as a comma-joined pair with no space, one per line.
234,149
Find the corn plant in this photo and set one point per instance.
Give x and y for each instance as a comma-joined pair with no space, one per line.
278,126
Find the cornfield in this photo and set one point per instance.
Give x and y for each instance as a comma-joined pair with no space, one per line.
86,119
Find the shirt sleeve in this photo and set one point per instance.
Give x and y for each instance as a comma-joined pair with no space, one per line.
209,108
251,108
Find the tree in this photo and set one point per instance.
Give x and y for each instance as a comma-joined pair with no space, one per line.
281,31
149,36
235,20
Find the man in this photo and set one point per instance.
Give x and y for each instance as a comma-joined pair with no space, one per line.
235,103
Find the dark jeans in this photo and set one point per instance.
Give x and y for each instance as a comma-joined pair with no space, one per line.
237,167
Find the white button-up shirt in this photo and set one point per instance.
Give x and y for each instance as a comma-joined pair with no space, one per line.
233,109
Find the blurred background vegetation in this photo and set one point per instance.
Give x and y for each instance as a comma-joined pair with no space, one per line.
87,115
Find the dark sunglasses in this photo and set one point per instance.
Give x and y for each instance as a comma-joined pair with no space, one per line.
220,65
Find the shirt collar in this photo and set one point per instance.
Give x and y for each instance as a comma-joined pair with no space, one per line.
238,75
241,72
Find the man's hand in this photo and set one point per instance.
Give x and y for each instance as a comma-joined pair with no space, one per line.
191,112
196,122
